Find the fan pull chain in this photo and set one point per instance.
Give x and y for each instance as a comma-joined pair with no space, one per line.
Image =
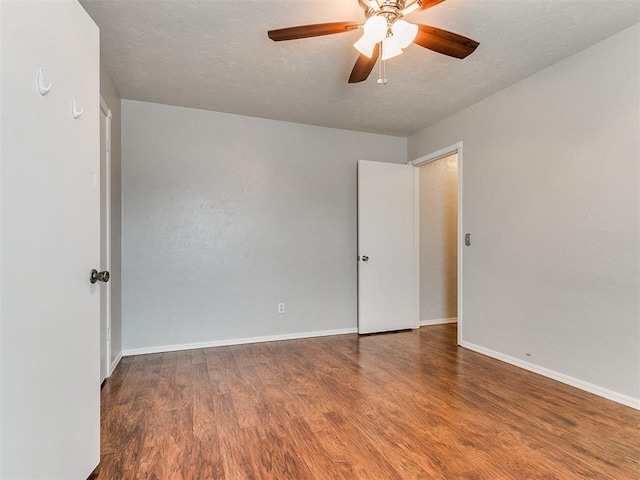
382,69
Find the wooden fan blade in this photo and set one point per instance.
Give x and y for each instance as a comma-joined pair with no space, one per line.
429,3
315,30
364,65
447,43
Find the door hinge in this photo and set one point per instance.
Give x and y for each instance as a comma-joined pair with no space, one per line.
108,333
108,145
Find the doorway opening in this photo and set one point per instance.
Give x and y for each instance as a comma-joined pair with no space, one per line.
439,205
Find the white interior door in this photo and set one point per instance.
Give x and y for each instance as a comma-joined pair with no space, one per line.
388,262
50,240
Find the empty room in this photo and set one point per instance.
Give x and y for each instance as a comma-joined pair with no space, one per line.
348,239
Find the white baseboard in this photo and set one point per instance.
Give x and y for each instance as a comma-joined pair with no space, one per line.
560,377
115,363
438,321
235,341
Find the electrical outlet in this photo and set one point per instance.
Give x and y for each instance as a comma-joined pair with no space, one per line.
281,308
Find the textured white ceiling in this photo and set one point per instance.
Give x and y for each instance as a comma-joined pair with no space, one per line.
215,55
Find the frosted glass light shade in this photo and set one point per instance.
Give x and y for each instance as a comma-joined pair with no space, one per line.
365,46
376,28
390,48
404,32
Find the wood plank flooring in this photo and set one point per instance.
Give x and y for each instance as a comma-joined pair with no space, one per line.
407,405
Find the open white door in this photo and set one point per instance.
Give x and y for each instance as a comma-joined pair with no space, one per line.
50,240
388,263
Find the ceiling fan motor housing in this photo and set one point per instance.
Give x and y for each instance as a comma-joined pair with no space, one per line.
390,9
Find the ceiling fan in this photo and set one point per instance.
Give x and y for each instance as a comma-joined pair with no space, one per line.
385,34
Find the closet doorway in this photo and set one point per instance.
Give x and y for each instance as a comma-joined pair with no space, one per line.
440,243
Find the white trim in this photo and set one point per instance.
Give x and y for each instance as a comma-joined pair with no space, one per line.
460,242
104,107
416,246
438,321
106,288
115,363
236,341
432,157
1,135
560,377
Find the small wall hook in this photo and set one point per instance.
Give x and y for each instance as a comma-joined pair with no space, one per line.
42,88
76,113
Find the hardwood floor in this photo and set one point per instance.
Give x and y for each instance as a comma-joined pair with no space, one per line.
394,406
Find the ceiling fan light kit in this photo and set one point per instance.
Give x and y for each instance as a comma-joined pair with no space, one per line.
365,46
384,25
390,48
405,32
394,39
375,28
385,35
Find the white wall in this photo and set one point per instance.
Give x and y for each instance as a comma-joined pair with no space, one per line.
111,96
438,240
550,194
224,216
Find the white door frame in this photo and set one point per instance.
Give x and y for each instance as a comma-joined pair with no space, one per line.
432,157
106,287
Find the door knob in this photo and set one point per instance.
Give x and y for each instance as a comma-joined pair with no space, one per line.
365,258
98,276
